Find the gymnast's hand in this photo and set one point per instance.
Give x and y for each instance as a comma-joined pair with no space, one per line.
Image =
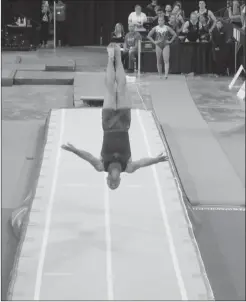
68,147
162,157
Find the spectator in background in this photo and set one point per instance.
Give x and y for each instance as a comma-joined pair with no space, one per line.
138,17
220,48
243,19
150,9
208,15
118,35
178,13
204,34
157,8
44,31
191,28
173,23
162,42
61,29
131,47
159,12
226,11
167,12
180,6
234,12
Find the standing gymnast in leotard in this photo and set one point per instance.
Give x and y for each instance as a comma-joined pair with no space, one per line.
116,120
162,44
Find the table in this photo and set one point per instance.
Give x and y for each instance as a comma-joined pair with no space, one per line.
185,57
21,35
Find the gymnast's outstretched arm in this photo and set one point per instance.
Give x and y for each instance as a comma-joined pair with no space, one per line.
145,162
95,162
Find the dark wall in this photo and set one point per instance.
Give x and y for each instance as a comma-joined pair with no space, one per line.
80,23
88,20
28,8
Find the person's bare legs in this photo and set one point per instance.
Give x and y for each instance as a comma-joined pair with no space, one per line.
123,99
110,77
166,58
158,51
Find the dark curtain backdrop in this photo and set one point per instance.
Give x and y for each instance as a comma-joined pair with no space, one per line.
28,8
80,22
90,22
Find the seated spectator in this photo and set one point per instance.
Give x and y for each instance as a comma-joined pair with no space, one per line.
208,15
234,12
138,17
180,6
191,28
167,12
118,35
204,35
173,23
159,13
243,19
178,13
150,9
220,48
225,14
131,47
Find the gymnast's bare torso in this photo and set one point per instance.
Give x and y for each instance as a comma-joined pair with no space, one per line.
116,120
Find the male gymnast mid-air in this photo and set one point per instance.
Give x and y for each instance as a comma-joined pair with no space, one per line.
116,120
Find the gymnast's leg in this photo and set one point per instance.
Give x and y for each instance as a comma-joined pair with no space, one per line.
123,99
110,77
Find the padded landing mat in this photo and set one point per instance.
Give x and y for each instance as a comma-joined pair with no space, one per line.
60,65
206,174
89,85
84,242
10,58
221,238
30,67
43,78
8,75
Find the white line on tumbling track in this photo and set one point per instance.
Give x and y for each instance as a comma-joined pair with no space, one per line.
110,283
58,274
108,242
208,285
165,218
49,213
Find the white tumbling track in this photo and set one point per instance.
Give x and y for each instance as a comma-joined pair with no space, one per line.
85,242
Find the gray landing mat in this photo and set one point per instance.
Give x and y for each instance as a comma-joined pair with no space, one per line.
206,174
220,236
30,67
8,75
89,85
10,59
43,78
60,65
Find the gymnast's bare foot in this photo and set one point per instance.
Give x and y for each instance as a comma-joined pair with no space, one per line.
111,50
